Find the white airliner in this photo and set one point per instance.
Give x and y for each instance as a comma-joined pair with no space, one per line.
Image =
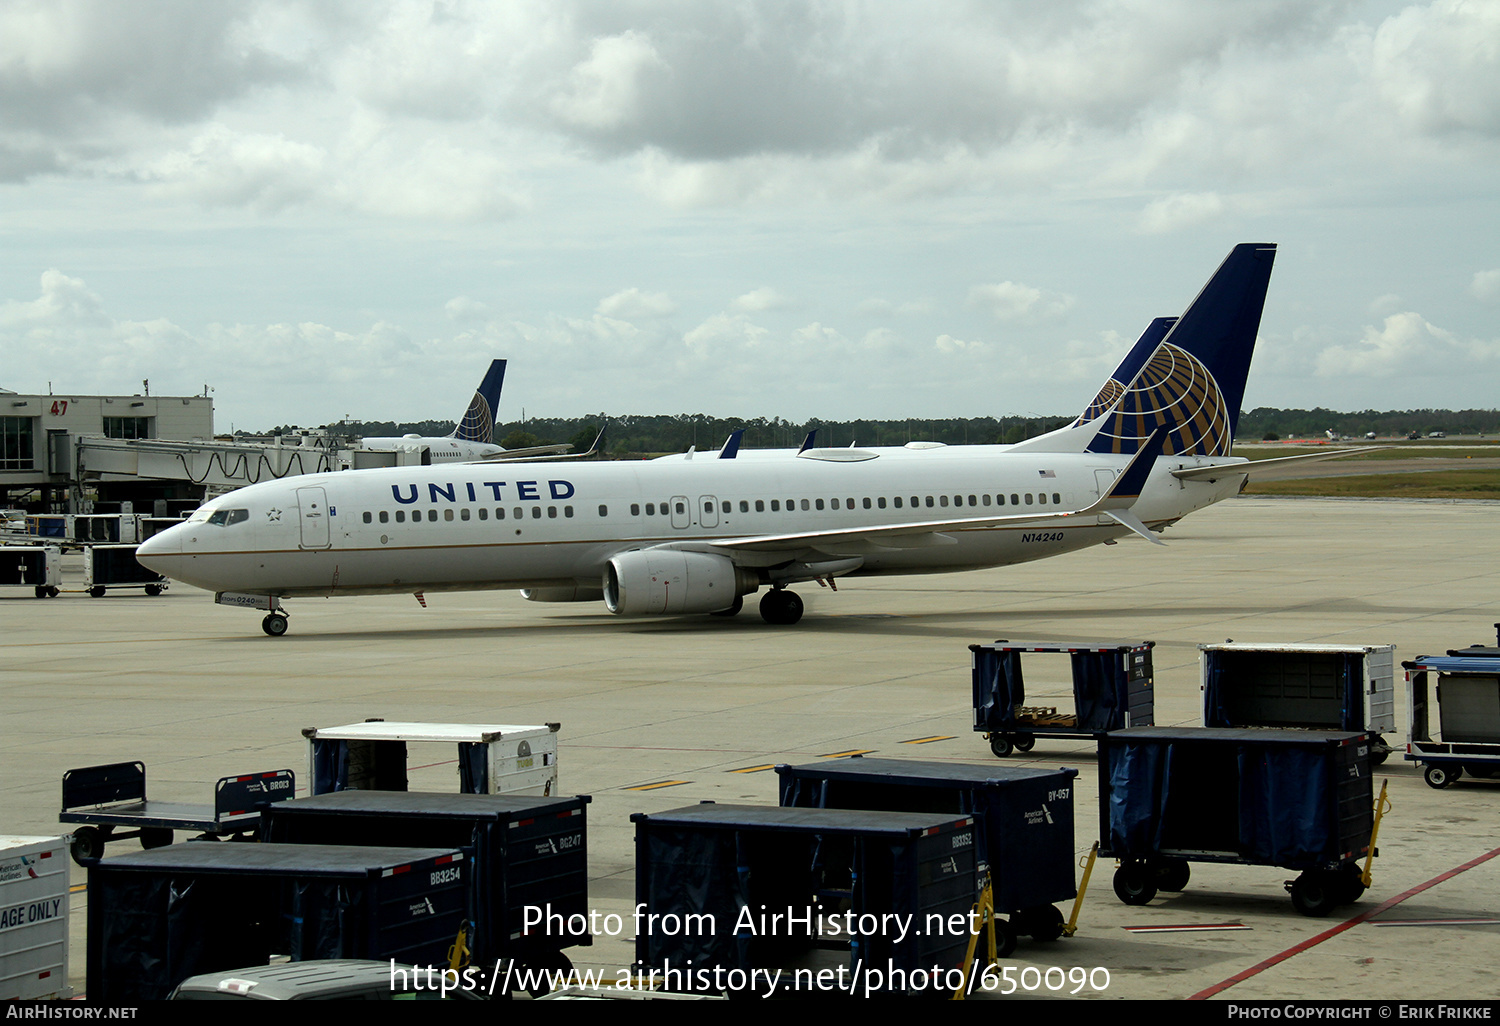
473,437
678,536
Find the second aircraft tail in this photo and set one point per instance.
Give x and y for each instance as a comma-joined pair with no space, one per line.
478,423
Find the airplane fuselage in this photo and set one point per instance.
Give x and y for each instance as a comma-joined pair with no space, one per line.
476,526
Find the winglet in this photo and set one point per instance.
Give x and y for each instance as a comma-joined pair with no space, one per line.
807,443
732,445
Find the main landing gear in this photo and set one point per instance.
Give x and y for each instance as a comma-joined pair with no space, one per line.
780,607
275,624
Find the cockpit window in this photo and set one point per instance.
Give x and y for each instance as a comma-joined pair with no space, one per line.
229,517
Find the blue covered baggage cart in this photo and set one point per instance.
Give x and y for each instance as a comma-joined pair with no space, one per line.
710,877
1111,689
1298,799
1466,698
1024,814
523,853
157,917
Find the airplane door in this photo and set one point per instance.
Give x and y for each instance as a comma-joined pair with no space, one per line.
312,508
682,514
708,511
1104,480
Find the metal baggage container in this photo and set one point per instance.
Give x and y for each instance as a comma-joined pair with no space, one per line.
1024,814
732,865
1299,799
522,852
493,758
33,918
157,917
1466,699
1111,688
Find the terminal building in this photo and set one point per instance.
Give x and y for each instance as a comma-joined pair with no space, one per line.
44,449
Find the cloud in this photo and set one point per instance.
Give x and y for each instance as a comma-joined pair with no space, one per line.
1014,301
1183,210
634,305
1406,344
1486,286
759,300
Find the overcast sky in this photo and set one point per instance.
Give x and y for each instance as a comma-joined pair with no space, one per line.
744,209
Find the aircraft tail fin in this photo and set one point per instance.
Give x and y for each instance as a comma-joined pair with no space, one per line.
478,423
1194,380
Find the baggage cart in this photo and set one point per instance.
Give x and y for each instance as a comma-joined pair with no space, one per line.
157,917
37,568
1321,687
1466,699
523,853
1111,688
115,566
493,758
107,797
712,876
33,918
1298,799
1024,816
1482,651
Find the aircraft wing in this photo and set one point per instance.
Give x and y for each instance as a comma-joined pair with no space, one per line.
531,452
1254,466
1121,496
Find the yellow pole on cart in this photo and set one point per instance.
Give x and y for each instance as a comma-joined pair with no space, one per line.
1083,886
984,918
1382,806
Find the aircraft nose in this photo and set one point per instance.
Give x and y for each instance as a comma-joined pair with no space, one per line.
152,552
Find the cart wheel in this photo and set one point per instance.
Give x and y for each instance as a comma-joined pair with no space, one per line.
1379,749
1480,770
88,843
554,964
1173,874
1044,923
1135,883
1315,893
1025,742
1351,884
1439,776
1005,937
155,837
96,591
1000,745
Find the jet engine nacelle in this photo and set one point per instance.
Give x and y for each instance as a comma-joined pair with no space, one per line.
663,582
563,593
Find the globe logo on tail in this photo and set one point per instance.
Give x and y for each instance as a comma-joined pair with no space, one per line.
1174,389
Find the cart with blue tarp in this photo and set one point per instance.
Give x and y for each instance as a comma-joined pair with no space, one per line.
157,917
1025,818
525,853
1298,799
709,877
1111,689
108,797
1322,687
1466,699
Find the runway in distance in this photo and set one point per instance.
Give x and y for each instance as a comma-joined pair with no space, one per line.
473,437
685,536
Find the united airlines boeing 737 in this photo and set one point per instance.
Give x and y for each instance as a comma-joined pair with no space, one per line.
674,536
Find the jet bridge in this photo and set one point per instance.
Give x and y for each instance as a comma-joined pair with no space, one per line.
213,464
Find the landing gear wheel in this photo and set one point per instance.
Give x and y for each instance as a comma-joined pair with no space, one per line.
1440,776
1005,937
1135,883
88,843
153,590
781,608
1173,875
1025,742
96,592
1000,745
155,837
274,624
1044,923
734,610
1315,893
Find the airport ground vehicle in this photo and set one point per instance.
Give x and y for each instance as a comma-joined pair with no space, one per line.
1465,696
1112,687
109,797
1297,799
1321,687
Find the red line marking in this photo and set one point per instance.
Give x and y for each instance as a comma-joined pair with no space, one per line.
1297,949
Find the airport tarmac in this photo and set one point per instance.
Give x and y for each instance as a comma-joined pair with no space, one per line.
681,707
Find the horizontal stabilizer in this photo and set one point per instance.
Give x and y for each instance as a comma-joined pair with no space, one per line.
1251,467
